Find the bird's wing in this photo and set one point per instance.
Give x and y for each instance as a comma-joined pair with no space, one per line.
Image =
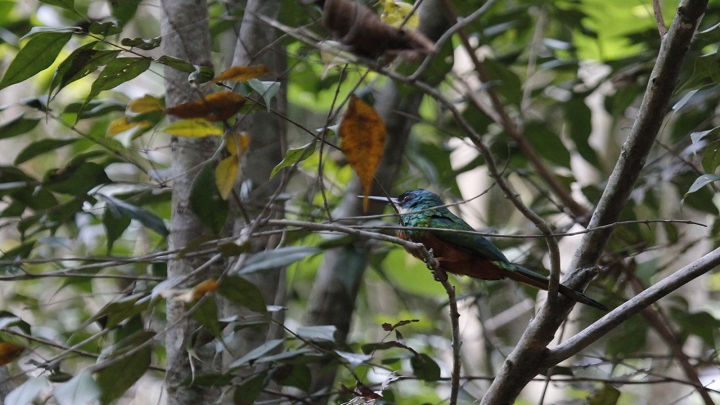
474,243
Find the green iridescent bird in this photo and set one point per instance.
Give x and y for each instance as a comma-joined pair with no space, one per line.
462,253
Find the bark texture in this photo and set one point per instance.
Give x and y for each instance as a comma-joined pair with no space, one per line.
185,36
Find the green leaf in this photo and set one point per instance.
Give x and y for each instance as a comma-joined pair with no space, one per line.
115,223
249,390
124,10
37,55
547,144
104,28
27,392
256,353
293,375
119,377
177,64
277,258
207,314
40,147
66,4
579,127
608,395
425,368
319,332
242,292
701,324
266,89
701,182
147,218
117,72
711,157
80,63
697,136
206,202
117,311
293,156
142,43
76,179
80,390
17,126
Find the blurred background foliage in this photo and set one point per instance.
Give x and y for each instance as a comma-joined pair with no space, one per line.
83,215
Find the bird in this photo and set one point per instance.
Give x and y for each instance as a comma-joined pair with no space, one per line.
461,252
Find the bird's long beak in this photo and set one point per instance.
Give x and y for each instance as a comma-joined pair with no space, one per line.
386,200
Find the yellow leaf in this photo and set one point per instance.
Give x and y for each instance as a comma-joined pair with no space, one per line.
9,352
242,73
194,128
123,124
225,174
213,107
145,104
396,11
237,143
363,141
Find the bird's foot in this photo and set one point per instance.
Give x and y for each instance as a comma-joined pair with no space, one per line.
433,264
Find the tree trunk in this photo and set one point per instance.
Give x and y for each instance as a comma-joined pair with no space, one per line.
332,300
185,36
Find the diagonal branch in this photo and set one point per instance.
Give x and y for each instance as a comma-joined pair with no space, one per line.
530,355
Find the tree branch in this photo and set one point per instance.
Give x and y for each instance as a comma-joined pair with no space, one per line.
531,350
632,307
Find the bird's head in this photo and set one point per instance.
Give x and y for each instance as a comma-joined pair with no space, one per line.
413,200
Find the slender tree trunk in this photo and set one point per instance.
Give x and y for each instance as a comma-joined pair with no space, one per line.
185,36
332,300
257,45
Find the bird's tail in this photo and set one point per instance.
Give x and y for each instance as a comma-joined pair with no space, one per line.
529,277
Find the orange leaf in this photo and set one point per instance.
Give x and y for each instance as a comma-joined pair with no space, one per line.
363,141
213,107
242,73
9,352
203,288
237,143
225,174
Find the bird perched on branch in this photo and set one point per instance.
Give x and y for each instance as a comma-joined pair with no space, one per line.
425,217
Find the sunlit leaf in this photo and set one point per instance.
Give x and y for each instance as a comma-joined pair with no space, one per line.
237,143
124,124
241,73
145,104
363,141
266,89
277,258
213,107
37,55
293,156
40,147
117,72
396,12
9,352
226,173
696,137
193,128
82,389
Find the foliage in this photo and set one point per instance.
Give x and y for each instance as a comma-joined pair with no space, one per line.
85,196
